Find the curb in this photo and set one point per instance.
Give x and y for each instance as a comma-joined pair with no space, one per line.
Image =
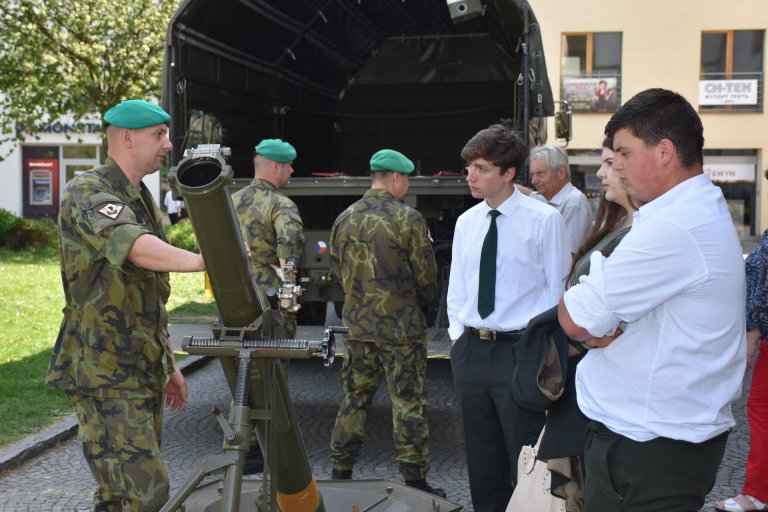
64,429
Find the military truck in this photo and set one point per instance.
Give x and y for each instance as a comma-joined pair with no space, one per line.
341,79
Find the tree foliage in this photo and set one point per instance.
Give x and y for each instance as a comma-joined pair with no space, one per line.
75,57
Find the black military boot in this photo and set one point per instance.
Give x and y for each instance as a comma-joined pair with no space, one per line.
341,474
422,485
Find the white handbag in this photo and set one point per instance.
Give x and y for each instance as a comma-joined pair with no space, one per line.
533,484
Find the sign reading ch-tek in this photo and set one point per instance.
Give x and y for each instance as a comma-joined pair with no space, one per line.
728,92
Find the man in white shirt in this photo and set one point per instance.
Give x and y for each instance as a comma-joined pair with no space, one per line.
528,265
172,206
551,176
659,393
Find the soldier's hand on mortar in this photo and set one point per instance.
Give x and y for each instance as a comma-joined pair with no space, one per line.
176,392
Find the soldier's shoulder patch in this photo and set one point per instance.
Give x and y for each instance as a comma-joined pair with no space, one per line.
111,210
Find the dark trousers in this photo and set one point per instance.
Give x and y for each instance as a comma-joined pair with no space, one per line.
661,475
495,427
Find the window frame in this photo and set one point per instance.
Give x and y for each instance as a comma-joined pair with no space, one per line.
728,72
589,72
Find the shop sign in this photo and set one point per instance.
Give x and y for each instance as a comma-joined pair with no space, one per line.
728,92
725,173
66,127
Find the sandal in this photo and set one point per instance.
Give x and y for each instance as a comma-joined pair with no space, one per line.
738,504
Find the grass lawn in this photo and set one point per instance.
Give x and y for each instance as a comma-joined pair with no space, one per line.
31,300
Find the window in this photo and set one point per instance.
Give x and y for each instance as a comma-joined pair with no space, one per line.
732,70
591,71
80,151
735,172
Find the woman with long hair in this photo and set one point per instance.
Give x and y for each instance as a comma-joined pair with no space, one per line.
612,221
566,427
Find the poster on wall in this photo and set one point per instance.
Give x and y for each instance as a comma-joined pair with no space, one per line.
591,94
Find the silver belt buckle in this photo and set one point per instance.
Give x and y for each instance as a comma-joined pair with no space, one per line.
486,334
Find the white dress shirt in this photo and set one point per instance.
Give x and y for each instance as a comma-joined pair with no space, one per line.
531,264
171,205
677,280
574,206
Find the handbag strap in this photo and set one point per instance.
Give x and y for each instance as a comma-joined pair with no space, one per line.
538,443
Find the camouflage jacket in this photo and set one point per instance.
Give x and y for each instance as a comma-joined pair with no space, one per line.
271,226
381,252
113,339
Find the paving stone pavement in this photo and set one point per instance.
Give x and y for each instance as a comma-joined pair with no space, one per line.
59,479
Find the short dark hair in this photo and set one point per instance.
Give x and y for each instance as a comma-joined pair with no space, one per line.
499,145
656,114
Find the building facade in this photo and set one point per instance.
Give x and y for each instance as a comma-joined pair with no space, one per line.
600,54
35,171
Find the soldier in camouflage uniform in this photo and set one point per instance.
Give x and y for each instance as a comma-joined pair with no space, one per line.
273,230
269,220
382,254
112,356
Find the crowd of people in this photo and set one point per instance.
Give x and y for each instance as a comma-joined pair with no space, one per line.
651,293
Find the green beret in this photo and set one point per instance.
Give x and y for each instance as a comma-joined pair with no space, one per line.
391,161
276,150
136,114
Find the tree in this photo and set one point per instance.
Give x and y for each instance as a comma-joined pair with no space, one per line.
75,57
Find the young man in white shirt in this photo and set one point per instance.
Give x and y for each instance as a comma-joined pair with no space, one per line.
530,263
665,318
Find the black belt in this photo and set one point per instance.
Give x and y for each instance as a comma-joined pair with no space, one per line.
491,335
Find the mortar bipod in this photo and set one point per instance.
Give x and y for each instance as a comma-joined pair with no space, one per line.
261,404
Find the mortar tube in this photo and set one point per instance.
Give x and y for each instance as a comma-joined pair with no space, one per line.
202,181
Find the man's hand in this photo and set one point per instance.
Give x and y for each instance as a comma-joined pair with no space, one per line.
602,342
278,271
176,392
753,342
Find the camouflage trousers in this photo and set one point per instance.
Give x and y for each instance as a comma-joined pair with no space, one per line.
404,366
121,443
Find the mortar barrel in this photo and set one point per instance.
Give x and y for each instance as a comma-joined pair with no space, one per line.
202,181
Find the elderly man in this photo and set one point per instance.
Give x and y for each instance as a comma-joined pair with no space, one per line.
659,393
551,176
113,357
